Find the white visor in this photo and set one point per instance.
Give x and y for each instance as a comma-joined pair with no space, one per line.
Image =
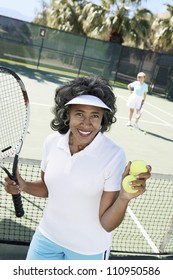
88,100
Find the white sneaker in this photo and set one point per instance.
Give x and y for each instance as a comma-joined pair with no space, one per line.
136,126
128,123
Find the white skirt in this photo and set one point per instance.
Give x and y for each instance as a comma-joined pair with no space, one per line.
134,101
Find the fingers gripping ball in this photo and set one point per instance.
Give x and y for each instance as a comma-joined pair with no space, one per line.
137,167
126,186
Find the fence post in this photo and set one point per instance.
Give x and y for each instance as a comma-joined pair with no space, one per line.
82,58
42,35
115,77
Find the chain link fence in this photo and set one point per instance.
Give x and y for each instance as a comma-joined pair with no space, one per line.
73,54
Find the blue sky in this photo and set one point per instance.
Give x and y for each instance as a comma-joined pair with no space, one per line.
27,9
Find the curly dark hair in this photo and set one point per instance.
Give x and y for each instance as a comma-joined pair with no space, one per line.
95,86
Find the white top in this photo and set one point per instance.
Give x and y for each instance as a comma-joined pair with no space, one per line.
139,89
75,185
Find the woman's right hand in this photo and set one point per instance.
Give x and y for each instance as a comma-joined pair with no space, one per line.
12,187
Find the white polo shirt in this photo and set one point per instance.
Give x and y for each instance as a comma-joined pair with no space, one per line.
75,184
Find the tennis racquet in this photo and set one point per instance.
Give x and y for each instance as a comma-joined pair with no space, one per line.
140,110
14,121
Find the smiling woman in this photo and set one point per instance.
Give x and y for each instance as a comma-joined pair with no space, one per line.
82,172
85,123
87,91
90,108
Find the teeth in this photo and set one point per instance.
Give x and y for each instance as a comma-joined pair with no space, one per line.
84,132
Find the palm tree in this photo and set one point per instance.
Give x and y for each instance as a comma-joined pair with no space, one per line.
112,21
78,16
164,34
124,24
91,17
65,15
139,29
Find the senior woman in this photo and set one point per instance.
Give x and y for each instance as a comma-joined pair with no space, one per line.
81,174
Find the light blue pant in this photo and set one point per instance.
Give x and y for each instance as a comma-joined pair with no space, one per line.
41,248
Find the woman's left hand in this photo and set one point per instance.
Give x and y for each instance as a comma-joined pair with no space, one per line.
139,184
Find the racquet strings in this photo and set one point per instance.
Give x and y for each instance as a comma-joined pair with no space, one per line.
13,114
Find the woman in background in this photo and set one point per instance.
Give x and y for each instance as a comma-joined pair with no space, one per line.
138,90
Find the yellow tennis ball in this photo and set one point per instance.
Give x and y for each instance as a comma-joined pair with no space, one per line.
137,167
126,186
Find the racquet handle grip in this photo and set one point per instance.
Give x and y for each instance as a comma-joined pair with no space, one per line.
18,206
17,200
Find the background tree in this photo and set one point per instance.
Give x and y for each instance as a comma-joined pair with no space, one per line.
41,17
123,23
119,21
163,31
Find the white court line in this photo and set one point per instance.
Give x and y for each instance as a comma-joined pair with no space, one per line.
161,110
143,231
156,123
166,123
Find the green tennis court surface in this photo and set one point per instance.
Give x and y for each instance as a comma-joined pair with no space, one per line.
148,225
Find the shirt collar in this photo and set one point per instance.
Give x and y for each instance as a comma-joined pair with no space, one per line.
62,142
